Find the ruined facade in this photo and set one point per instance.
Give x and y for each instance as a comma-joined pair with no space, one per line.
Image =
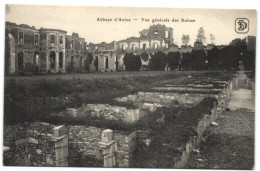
76,52
50,50
104,56
155,38
39,50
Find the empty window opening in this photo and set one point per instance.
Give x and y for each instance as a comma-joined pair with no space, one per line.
166,34
144,46
61,40
21,36
123,47
106,62
133,46
36,39
52,39
20,60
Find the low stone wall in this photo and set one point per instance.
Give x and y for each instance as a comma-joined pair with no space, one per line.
164,98
84,144
193,142
35,144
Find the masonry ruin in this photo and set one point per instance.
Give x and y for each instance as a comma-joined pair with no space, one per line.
45,144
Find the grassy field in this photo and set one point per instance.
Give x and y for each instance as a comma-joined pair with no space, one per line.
35,97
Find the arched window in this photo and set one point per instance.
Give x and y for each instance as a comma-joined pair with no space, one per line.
20,60
106,62
36,58
52,60
72,44
20,35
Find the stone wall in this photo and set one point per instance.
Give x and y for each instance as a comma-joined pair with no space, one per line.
84,146
204,123
10,55
35,144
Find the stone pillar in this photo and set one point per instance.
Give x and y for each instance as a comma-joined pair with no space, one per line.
6,155
47,61
11,57
56,61
60,139
64,61
108,147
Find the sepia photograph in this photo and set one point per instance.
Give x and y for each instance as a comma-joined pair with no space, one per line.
129,87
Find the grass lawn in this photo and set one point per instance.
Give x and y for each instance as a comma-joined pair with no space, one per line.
35,97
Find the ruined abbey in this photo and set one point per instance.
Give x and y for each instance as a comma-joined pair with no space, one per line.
45,50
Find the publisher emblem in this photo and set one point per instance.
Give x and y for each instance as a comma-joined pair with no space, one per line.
242,25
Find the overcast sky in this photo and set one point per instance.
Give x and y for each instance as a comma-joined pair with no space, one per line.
83,20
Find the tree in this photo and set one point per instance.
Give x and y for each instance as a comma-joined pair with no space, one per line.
88,61
186,61
157,62
132,62
212,39
198,58
214,58
173,58
230,57
185,39
144,56
201,36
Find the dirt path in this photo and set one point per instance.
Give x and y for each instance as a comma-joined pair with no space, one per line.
230,145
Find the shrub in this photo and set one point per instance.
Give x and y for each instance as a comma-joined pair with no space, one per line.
157,62
132,62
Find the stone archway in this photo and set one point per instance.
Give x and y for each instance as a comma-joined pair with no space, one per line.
36,58
52,60
96,63
106,62
36,62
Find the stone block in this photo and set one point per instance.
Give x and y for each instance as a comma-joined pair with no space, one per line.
6,149
32,141
20,141
59,131
72,112
61,142
38,151
62,163
107,136
61,153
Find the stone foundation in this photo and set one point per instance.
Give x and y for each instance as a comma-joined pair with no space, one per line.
35,144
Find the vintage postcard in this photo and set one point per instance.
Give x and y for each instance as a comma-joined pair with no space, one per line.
129,87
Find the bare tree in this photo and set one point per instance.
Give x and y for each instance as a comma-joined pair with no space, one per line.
212,39
201,36
185,39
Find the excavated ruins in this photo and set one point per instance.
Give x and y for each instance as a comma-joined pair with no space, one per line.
166,123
